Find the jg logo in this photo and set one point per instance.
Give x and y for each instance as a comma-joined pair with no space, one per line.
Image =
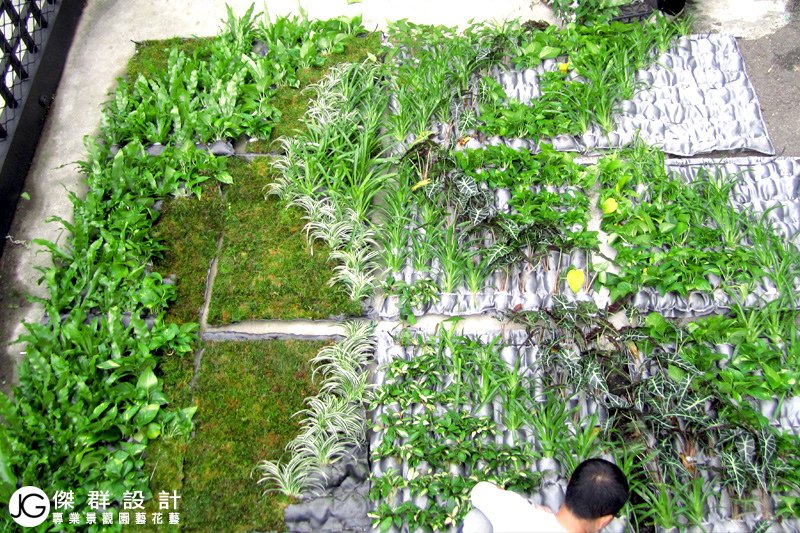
29,506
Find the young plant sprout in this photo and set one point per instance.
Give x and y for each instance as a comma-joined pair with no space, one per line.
475,272
449,252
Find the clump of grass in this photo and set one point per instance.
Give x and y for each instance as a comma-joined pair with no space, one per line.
267,270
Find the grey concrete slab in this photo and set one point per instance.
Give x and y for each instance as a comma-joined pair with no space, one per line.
768,34
773,63
747,19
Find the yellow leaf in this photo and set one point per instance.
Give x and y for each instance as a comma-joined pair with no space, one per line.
420,184
633,349
563,67
575,279
609,205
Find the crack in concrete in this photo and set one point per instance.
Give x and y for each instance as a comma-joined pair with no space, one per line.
210,277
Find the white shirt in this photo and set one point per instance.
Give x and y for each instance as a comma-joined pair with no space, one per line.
509,512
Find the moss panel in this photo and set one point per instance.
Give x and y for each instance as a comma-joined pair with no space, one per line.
189,229
266,269
150,58
246,394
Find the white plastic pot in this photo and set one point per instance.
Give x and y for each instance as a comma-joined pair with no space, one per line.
552,496
546,464
390,308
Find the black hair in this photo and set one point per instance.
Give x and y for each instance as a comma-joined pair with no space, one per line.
671,7
596,488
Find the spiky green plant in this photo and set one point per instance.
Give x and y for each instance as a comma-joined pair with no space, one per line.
296,477
323,448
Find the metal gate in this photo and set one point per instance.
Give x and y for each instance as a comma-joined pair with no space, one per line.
35,36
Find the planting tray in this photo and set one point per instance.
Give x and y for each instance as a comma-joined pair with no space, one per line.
520,351
514,352
342,505
761,184
694,99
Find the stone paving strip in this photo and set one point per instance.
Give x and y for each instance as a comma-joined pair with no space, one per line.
260,330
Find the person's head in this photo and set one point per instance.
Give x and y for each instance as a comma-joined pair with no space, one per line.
596,492
671,7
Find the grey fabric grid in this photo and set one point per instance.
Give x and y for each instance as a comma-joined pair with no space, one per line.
694,99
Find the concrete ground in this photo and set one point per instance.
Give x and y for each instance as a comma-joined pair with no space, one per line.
773,64
768,33
105,41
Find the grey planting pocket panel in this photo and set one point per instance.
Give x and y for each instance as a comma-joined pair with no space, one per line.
770,185
519,351
695,99
762,184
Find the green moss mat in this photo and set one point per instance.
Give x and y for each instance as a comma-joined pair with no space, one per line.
266,269
293,102
189,228
151,57
246,394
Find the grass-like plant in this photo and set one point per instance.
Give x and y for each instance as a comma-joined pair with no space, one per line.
549,421
327,221
295,477
487,361
340,156
426,231
333,421
395,224
344,364
450,253
322,447
357,267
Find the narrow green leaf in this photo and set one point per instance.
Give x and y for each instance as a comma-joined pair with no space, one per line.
99,409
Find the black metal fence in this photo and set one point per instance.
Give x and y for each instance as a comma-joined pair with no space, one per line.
35,36
22,23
